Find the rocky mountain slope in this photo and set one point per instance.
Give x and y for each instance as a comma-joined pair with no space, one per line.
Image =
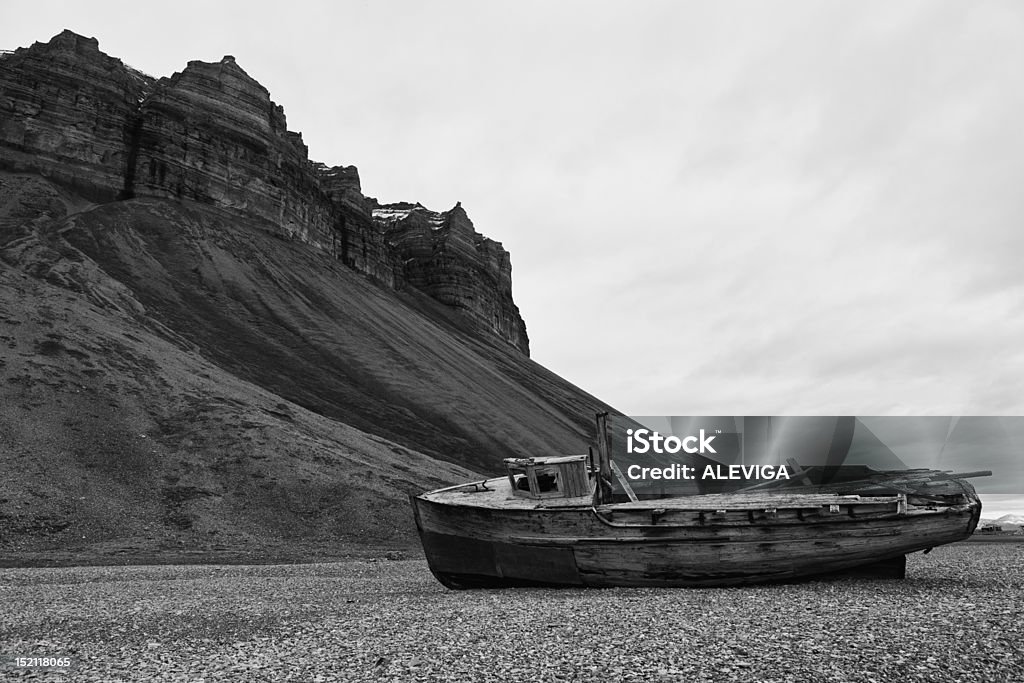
213,345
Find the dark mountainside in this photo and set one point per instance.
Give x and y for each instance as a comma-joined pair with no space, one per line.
214,348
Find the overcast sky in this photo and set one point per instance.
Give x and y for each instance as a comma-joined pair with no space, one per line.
735,208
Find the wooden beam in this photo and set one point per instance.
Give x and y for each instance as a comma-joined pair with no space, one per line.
602,492
799,471
624,482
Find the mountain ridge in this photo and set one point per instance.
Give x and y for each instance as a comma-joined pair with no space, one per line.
188,375
1010,519
212,134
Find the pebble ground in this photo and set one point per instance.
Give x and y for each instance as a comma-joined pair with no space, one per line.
957,617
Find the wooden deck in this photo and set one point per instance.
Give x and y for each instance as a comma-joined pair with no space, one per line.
497,494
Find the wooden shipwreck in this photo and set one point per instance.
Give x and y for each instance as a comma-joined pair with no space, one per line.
555,522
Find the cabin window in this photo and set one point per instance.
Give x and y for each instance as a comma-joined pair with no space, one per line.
562,477
547,479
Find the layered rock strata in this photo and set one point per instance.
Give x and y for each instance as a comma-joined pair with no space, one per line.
362,244
443,255
212,134
64,106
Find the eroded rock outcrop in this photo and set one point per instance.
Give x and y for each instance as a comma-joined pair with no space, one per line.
443,255
63,109
362,244
212,134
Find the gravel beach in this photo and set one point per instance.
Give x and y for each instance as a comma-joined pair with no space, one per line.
955,618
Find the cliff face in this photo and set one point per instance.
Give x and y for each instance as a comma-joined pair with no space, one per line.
64,106
445,257
211,134
362,244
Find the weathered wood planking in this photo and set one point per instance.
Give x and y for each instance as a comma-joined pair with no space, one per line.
481,535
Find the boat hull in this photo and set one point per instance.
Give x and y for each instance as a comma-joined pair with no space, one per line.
478,547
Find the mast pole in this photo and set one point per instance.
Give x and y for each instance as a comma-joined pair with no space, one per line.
602,491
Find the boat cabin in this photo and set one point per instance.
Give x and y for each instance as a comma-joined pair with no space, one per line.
555,477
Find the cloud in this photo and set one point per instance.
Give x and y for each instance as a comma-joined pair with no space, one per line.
714,208
994,506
